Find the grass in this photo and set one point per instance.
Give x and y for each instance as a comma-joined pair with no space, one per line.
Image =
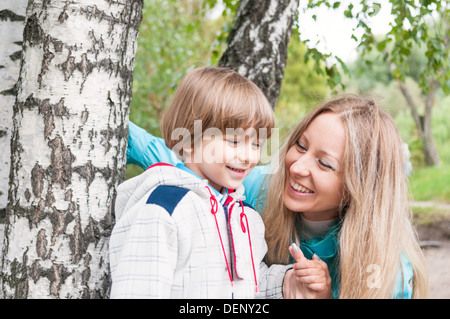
431,184
429,215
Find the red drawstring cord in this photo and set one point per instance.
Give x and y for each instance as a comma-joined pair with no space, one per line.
214,207
249,241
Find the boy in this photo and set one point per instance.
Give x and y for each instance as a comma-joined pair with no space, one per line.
184,231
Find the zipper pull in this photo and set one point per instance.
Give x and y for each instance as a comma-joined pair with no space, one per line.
232,290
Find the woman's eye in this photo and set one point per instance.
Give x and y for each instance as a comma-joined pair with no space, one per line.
326,165
300,146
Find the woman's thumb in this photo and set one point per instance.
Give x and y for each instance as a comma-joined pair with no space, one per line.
296,252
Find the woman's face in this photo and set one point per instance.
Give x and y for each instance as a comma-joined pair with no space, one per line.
314,183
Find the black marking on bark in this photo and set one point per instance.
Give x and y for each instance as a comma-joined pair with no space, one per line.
61,159
12,91
84,116
64,16
48,57
60,109
16,55
85,66
87,172
32,33
77,241
41,244
49,123
38,212
68,66
12,16
37,180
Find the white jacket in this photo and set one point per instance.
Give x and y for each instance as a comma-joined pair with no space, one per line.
172,239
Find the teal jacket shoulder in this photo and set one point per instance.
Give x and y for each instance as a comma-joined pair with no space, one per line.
144,149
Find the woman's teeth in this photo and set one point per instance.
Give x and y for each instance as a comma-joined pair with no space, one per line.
300,188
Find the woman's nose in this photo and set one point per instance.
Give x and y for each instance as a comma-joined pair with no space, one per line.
301,166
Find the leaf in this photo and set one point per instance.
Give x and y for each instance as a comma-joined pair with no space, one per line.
348,13
343,65
381,45
376,8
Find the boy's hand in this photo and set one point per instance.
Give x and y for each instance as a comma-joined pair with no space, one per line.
309,279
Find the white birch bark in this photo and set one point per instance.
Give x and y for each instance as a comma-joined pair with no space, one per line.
12,16
70,128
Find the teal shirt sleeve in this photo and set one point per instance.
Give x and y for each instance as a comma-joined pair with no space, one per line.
144,149
403,286
255,185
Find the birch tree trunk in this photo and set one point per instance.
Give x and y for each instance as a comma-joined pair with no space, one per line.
12,16
70,124
258,42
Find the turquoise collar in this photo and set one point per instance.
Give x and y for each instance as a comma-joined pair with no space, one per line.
326,247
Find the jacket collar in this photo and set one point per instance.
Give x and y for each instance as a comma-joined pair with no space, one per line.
237,194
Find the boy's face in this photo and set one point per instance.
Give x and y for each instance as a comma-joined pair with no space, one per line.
226,159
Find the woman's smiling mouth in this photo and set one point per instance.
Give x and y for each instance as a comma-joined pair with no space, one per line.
300,188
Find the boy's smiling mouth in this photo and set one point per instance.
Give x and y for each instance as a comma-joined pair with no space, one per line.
236,170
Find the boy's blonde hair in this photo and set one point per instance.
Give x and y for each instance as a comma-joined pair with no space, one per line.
376,220
217,98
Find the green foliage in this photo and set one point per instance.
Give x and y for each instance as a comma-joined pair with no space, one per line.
302,86
424,23
300,83
175,36
414,25
392,100
431,183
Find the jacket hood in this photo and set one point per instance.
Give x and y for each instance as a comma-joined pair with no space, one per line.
133,190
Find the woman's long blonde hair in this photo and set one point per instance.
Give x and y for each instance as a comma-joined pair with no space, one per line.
376,221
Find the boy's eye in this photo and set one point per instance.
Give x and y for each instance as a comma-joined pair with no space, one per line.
257,145
233,141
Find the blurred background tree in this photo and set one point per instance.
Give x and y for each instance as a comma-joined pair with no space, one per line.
417,48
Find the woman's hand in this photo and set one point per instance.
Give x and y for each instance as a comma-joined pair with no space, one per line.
309,279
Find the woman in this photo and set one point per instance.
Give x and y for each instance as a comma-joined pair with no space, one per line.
343,170
340,193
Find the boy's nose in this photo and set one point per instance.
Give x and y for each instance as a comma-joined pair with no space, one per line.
247,154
